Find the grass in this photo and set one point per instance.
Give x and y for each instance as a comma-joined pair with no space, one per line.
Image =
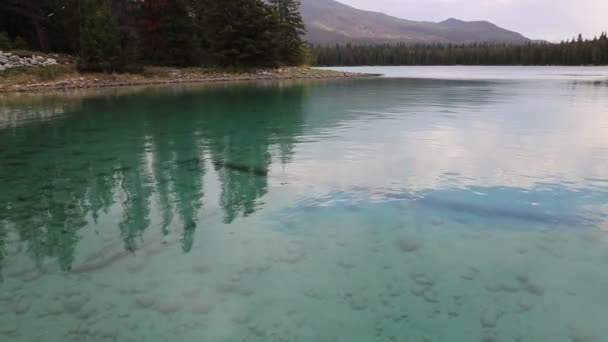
61,72
36,74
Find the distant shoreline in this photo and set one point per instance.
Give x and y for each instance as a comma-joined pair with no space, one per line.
73,80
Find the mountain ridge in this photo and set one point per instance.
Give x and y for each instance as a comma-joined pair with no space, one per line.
332,22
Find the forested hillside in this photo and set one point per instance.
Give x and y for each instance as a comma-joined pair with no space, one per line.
110,35
577,51
330,22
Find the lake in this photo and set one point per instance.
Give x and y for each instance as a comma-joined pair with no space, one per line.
432,204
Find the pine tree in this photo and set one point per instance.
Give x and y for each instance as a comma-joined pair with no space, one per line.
99,43
5,42
290,30
241,33
170,33
180,46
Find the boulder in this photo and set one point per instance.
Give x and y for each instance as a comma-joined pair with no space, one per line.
2,68
13,58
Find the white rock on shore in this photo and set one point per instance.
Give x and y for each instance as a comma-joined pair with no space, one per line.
9,61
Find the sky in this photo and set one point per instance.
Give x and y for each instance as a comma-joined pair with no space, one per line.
552,20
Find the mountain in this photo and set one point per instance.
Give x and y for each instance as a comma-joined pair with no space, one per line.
331,22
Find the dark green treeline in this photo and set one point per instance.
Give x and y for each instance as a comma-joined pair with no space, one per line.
578,51
110,35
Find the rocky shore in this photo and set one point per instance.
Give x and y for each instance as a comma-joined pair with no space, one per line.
171,76
9,60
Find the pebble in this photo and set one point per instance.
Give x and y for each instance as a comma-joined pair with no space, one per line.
202,309
87,311
135,266
192,293
22,307
431,296
145,301
418,290
579,338
241,319
522,278
347,265
489,318
534,289
74,304
85,82
422,279
8,330
53,309
167,307
408,245
202,269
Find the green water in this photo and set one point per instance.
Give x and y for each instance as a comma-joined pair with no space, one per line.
385,209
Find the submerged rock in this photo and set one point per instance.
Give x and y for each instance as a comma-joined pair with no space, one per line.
87,311
418,290
145,301
192,293
430,296
167,307
489,318
522,278
241,319
347,265
202,269
534,289
580,338
9,330
408,245
22,307
202,309
135,266
53,309
422,279
502,287
73,304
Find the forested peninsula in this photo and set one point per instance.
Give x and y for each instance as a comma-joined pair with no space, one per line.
117,35
95,43
100,43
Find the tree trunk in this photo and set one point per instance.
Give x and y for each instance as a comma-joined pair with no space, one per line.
43,44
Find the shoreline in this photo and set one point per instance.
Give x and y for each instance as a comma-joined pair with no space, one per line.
176,76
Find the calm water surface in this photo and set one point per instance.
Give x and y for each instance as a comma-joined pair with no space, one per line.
459,204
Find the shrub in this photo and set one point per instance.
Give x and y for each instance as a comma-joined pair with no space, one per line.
5,43
20,44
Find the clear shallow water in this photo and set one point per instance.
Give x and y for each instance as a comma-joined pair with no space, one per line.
383,209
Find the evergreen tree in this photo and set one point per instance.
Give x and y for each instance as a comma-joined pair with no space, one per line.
290,30
5,42
34,14
180,41
169,32
99,43
241,33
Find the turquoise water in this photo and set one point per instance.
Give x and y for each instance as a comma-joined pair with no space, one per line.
392,209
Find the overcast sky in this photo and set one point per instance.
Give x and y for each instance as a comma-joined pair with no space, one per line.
537,19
